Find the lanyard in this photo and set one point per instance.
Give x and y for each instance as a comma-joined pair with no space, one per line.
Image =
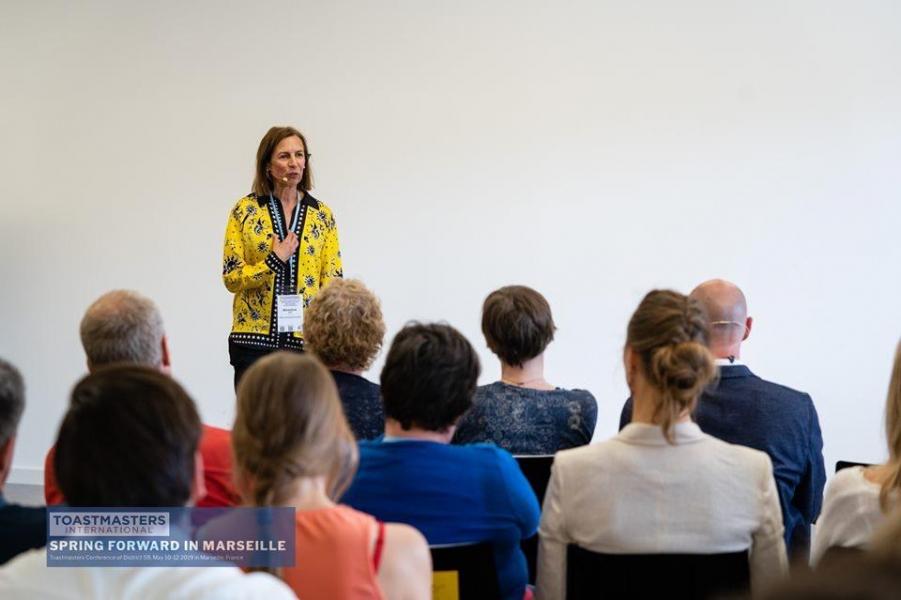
276,212
281,226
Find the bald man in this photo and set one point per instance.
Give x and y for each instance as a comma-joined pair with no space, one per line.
744,409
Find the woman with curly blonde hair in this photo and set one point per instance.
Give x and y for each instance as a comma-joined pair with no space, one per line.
344,327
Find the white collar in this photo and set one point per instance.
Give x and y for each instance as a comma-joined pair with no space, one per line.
725,362
645,434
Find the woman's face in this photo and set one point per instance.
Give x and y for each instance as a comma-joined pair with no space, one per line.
288,161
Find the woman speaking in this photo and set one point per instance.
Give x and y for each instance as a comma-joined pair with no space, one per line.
281,246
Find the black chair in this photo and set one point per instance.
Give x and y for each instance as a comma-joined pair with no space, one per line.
470,568
537,470
844,464
684,576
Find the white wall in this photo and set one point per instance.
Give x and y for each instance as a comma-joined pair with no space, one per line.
593,150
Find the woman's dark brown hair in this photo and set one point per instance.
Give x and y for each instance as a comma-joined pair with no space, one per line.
262,181
669,333
429,376
129,438
290,424
517,323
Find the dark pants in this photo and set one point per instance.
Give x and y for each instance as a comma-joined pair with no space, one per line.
242,357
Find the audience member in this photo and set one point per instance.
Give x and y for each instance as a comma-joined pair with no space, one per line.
124,327
661,485
21,527
874,574
523,413
858,498
293,448
744,409
452,494
130,439
343,326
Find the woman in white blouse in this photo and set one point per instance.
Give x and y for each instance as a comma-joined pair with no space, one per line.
661,485
858,499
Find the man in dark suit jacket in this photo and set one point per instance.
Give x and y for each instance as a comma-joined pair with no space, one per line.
21,527
744,409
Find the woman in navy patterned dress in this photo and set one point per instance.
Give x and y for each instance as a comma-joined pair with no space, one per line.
523,413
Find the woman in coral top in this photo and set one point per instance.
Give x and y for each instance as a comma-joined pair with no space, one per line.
293,447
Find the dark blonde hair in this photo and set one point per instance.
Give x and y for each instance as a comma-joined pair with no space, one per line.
343,325
893,432
262,182
289,425
517,323
670,335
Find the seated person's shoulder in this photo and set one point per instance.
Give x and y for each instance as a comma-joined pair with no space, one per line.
783,391
591,454
23,571
222,583
739,454
851,481
584,397
216,434
486,451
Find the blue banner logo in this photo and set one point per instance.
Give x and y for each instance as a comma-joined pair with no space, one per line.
139,537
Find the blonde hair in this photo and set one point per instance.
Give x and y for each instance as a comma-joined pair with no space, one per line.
669,333
893,432
290,424
343,325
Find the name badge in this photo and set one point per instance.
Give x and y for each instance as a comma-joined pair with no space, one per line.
289,310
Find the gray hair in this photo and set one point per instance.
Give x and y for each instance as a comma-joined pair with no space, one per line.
122,327
12,400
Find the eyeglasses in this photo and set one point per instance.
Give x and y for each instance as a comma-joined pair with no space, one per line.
715,323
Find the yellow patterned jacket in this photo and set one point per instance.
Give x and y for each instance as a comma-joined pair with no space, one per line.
252,271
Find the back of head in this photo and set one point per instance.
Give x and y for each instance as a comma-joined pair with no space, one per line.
128,439
726,309
517,323
290,424
12,401
893,431
669,334
122,327
343,325
429,376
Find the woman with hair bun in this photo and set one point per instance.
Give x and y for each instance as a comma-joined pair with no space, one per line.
662,486
293,447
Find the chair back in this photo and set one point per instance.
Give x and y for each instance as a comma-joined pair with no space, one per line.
844,464
537,469
685,576
464,572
